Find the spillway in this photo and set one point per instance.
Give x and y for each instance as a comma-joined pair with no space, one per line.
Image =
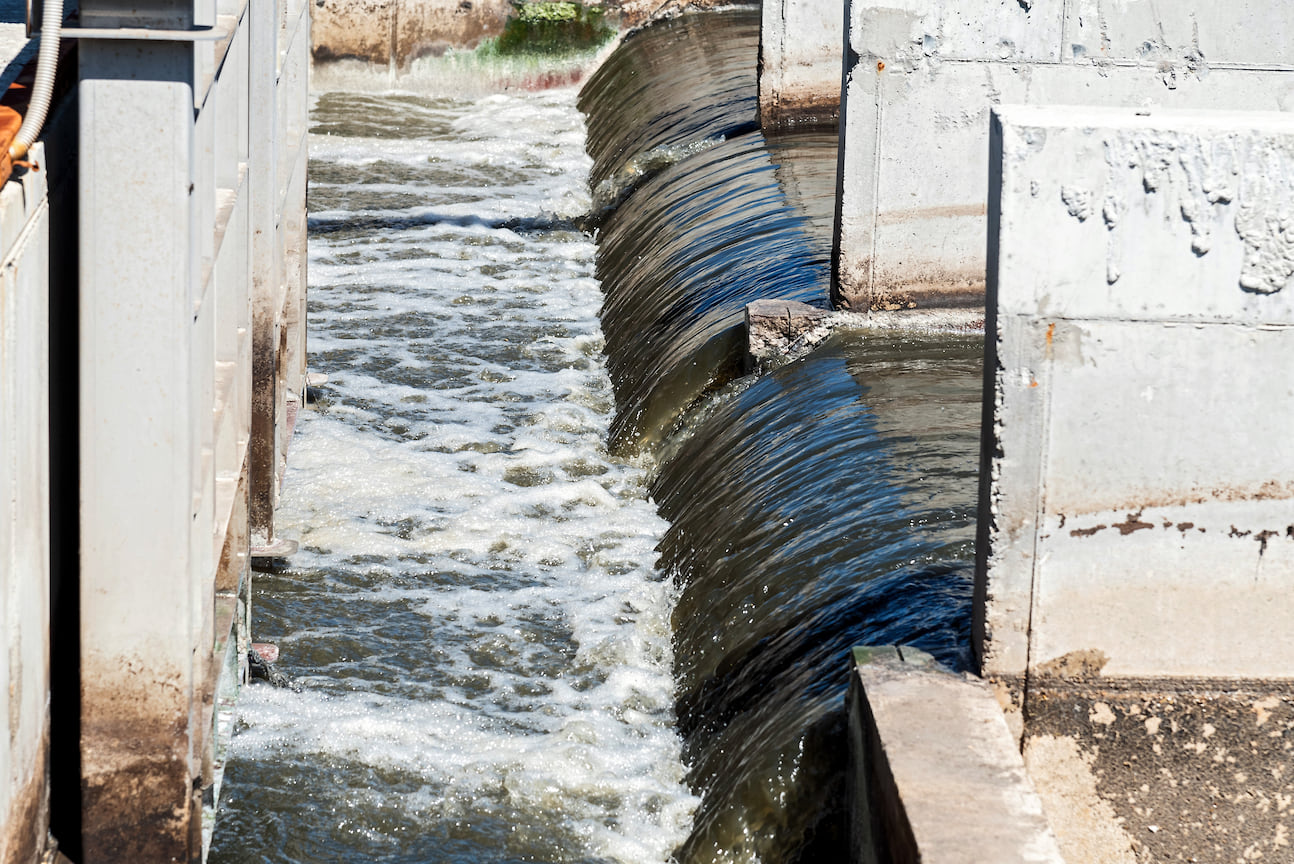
574,587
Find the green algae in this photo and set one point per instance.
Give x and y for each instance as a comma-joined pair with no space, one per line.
552,27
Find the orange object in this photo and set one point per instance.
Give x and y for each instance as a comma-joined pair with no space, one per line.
10,123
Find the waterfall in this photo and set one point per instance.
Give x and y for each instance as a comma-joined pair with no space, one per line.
573,585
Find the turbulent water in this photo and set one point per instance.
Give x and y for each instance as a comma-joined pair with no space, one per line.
475,617
507,652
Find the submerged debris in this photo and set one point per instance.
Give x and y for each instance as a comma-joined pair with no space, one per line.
260,669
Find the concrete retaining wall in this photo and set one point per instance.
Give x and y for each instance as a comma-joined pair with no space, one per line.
801,46
396,32
189,295
913,186
1138,498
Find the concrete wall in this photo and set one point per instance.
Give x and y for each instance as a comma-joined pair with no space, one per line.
801,45
1138,496
24,514
924,74
396,32
191,241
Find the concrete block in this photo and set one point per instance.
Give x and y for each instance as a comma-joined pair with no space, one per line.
801,43
1247,33
1136,498
913,188
777,329
936,776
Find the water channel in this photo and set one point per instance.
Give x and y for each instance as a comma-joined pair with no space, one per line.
567,597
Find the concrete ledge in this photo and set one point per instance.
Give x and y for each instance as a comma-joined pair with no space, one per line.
781,330
936,776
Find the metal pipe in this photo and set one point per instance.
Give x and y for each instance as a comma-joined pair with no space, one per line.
42,90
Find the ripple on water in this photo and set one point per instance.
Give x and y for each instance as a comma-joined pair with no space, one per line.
475,615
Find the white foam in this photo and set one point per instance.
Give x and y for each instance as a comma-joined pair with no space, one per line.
456,482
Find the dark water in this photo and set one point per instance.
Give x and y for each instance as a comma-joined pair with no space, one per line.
830,504
703,220
679,262
825,505
632,102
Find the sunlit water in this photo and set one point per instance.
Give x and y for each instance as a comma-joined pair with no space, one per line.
475,615
506,654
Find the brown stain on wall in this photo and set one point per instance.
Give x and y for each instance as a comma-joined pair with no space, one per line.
921,214
383,31
1131,524
22,837
141,794
1140,502
801,109
861,287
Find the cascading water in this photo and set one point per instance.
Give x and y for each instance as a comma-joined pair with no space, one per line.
506,653
827,504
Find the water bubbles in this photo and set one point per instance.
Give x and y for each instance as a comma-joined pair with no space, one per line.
473,688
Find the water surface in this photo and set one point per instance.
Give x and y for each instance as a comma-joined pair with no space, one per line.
475,616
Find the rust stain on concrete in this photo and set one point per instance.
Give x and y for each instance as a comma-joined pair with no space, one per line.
1131,524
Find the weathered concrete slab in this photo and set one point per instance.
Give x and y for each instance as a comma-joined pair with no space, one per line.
1161,770
801,45
913,186
777,329
1136,499
937,777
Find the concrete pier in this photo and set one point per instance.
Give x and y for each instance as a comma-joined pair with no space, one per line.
801,45
191,253
922,76
1135,554
937,777
152,231
24,513
1141,335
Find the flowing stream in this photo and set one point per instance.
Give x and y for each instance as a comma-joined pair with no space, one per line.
564,598
475,617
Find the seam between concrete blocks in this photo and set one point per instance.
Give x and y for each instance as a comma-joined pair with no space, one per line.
1040,508
876,194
